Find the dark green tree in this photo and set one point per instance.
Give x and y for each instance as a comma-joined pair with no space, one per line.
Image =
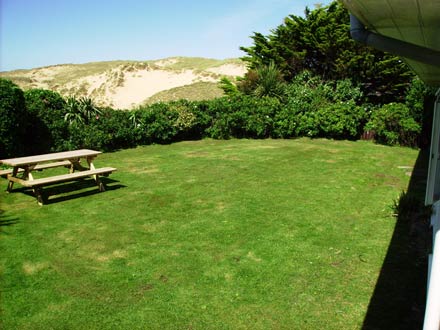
13,119
47,128
320,42
228,87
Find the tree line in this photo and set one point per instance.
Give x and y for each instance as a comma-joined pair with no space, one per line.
320,43
306,78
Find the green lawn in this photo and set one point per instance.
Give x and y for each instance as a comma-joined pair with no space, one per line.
239,234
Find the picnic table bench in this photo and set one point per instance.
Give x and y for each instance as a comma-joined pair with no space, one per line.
70,159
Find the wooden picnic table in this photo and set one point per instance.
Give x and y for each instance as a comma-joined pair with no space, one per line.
24,166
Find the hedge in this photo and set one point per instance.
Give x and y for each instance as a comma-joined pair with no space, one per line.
308,107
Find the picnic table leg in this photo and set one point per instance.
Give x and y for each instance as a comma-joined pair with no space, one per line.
11,183
90,162
38,191
92,167
99,183
75,165
27,175
96,177
72,167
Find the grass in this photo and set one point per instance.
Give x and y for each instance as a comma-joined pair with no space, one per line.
66,73
239,234
200,63
198,91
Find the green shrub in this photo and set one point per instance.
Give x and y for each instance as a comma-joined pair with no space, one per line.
47,126
88,137
192,119
219,111
341,120
242,116
315,108
156,124
304,96
306,107
203,119
111,130
13,118
393,125
415,99
252,117
285,123
420,100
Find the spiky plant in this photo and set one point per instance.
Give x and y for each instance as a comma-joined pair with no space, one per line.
269,82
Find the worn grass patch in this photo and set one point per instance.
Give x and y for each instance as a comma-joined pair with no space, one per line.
240,234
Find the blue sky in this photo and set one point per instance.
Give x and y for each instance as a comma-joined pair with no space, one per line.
35,33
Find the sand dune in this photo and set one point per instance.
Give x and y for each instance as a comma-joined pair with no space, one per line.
124,84
229,70
140,85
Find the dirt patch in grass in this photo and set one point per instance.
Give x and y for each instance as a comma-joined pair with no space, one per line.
153,227
251,255
263,147
31,268
388,180
148,170
197,154
220,206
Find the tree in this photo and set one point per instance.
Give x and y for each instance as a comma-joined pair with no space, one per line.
88,109
228,87
46,121
265,80
80,111
12,119
269,82
72,111
320,42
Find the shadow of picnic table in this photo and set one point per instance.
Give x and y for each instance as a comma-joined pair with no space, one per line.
73,189
6,220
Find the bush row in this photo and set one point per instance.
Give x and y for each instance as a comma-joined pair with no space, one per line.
38,121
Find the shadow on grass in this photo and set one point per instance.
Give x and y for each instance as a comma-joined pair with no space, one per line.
73,189
6,220
398,301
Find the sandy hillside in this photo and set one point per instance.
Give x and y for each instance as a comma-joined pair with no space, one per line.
126,84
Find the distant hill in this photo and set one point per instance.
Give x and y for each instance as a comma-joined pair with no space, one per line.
127,84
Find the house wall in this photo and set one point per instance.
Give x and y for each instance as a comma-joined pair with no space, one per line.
433,181
432,312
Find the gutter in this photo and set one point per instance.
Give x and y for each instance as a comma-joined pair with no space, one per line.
398,47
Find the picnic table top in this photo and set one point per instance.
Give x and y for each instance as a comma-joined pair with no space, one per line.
31,160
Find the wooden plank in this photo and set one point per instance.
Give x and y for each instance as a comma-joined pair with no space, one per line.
66,177
38,167
21,181
51,165
6,172
30,160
